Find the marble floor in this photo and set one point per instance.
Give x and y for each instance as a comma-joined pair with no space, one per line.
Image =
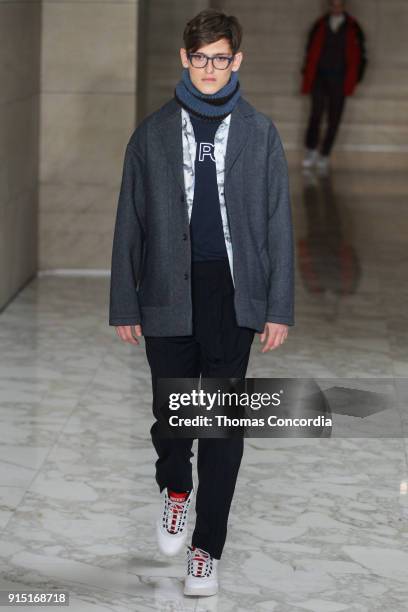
316,524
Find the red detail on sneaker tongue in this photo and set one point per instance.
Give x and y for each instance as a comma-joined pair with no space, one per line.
200,554
179,497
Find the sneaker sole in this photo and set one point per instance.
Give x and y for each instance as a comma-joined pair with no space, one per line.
200,591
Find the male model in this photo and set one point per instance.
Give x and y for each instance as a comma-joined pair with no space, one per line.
334,63
202,260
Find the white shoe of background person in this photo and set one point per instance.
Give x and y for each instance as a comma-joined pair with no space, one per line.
171,525
323,163
310,158
202,574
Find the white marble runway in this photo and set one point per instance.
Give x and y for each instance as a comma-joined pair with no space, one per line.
316,524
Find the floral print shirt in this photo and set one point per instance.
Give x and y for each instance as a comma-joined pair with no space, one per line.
189,153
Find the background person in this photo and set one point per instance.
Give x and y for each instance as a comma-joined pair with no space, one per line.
334,63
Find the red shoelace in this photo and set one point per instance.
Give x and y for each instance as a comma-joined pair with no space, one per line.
200,558
176,505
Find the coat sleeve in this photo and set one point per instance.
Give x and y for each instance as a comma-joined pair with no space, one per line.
128,243
280,308
310,35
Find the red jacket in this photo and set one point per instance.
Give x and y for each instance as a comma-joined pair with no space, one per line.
355,54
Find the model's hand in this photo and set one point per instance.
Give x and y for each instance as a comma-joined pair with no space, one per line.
128,333
275,335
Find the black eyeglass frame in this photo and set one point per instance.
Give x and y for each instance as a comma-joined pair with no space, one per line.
230,59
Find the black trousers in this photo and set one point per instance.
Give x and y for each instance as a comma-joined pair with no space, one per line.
327,96
217,348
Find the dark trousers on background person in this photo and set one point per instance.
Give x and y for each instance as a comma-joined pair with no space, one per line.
218,348
327,96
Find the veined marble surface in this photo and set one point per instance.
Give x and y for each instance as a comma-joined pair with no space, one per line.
318,525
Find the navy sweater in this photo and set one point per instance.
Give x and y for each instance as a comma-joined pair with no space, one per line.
207,236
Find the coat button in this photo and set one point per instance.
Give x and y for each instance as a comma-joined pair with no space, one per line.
184,236
185,276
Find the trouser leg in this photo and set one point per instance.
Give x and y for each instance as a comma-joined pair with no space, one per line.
318,100
172,357
225,350
336,102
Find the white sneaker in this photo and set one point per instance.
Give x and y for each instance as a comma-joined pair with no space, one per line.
322,163
310,158
201,576
171,526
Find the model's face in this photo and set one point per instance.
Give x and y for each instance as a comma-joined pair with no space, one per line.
209,80
336,7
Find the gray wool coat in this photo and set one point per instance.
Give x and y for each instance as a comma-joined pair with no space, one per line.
151,255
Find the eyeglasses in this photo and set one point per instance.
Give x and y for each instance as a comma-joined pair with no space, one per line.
219,62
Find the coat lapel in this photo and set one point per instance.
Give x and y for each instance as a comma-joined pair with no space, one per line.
237,138
171,134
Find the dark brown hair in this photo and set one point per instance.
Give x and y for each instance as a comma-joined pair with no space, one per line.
209,26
